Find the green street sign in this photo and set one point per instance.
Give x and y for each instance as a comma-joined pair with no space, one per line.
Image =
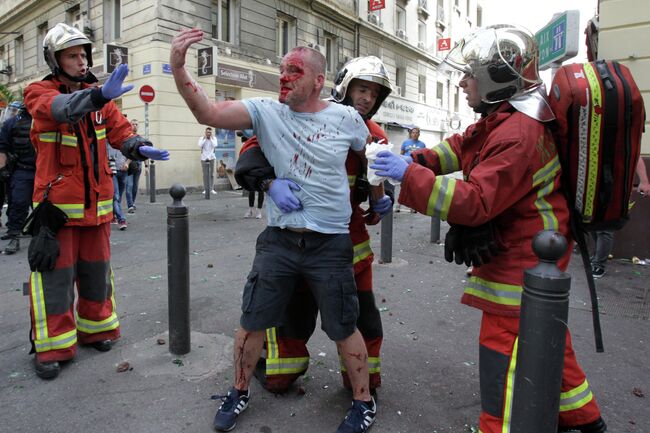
558,40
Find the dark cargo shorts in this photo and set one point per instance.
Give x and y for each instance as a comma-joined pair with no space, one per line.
283,259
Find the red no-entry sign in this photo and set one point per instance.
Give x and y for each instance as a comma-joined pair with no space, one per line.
147,93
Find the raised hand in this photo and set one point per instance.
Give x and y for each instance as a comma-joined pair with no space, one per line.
181,43
113,87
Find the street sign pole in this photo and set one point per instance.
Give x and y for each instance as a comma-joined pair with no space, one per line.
147,94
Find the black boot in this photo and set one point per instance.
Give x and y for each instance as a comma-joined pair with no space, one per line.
46,370
13,246
10,234
102,346
597,426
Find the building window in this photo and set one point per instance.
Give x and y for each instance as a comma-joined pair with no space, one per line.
400,18
19,55
41,31
112,19
422,88
73,15
374,17
331,53
222,20
479,16
441,11
400,80
285,34
439,93
422,34
469,2
456,99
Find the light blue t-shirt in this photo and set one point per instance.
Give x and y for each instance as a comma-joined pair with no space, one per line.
310,149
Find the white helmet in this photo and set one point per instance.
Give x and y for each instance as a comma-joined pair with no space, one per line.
369,68
503,58
60,37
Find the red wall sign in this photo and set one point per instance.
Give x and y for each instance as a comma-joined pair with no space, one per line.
375,5
444,44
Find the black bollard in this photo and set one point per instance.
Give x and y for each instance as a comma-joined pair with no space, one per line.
152,181
435,229
542,336
386,245
178,272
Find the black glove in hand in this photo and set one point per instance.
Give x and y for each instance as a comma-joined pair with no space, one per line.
480,244
453,243
43,251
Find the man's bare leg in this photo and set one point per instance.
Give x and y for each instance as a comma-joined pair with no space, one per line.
247,351
355,357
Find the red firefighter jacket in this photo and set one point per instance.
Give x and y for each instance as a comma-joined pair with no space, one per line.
71,155
252,167
511,176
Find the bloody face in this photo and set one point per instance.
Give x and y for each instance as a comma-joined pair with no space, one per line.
363,95
294,78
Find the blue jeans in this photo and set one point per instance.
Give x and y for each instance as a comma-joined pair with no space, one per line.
119,185
132,186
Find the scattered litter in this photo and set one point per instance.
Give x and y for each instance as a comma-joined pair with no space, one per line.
468,363
210,265
399,412
144,313
383,300
293,414
161,341
637,391
325,386
178,362
14,374
323,354
155,277
123,366
158,322
383,309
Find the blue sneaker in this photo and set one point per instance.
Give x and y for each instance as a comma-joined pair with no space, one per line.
359,418
233,404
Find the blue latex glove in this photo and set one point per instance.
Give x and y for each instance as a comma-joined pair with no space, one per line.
390,165
113,88
407,158
382,206
281,192
153,153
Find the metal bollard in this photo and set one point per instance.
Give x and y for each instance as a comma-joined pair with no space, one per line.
386,254
152,181
178,272
542,336
435,229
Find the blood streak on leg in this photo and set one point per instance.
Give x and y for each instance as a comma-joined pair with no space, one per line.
242,376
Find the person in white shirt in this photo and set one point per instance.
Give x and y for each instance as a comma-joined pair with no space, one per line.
207,143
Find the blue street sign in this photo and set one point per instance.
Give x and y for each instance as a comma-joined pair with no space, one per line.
167,68
558,40
146,69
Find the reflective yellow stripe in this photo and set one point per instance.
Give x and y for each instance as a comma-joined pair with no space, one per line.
594,140
441,195
374,364
272,351
448,159
69,140
546,209
62,341
93,327
548,172
101,133
576,398
499,293
361,251
71,210
38,305
510,386
351,180
286,365
47,137
104,207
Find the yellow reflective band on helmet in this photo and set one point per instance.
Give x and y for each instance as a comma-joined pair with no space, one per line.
62,341
286,365
448,159
94,327
576,398
509,391
441,195
38,305
104,207
499,293
361,251
374,364
594,140
351,180
101,133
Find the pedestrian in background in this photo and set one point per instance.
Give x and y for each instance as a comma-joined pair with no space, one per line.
133,178
120,167
208,143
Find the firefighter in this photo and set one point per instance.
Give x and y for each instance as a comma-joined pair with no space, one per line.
509,192
362,83
17,162
72,120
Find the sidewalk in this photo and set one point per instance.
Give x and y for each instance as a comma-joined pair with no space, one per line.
429,356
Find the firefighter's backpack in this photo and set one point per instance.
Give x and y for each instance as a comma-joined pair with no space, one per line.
600,120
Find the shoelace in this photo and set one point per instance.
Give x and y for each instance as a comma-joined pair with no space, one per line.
228,401
357,416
